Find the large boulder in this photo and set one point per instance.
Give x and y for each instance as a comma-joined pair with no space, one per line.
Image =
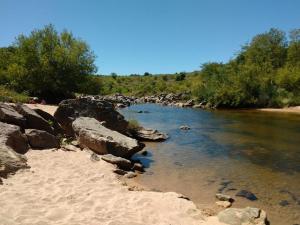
9,115
93,135
11,142
11,136
41,139
101,110
246,216
34,120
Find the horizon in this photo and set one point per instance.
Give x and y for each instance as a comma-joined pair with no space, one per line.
135,37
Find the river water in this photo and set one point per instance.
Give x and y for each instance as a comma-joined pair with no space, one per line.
225,151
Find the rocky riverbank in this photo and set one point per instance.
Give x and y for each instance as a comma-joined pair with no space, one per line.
67,168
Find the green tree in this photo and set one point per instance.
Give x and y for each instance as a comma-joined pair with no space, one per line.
49,64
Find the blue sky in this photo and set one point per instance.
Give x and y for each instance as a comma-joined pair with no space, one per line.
157,36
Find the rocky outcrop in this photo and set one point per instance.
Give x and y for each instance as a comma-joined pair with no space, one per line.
122,163
101,110
93,135
34,120
11,136
246,216
41,139
11,142
9,115
143,134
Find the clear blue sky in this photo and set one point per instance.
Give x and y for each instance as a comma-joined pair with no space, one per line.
158,36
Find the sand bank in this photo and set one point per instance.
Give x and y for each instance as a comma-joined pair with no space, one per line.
67,188
295,109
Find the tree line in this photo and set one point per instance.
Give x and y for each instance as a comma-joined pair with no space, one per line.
55,66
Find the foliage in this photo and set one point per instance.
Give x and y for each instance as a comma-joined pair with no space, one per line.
47,64
7,95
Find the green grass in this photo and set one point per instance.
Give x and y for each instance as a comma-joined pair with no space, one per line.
7,95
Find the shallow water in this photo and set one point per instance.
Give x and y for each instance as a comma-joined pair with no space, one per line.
225,151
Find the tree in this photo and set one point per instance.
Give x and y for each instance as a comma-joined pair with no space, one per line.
180,76
49,64
114,76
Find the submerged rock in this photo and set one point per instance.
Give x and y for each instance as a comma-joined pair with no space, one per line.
246,216
184,127
246,194
93,135
138,167
41,139
149,135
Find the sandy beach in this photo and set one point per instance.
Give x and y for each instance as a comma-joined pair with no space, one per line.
67,188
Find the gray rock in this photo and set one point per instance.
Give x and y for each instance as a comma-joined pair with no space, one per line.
34,120
93,135
223,197
94,157
41,139
120,172
130,175
246,216
9,115
11,140
149,135
11,136
101,110
122,163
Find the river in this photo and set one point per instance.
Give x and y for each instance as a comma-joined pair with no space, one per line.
225,151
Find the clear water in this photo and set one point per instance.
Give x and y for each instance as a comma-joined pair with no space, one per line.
225,151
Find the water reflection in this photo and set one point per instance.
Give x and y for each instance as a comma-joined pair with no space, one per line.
250,150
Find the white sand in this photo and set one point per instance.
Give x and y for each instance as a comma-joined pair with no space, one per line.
47,108
295,109
67,188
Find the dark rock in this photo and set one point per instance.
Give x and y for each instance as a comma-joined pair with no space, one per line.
248,215
41,139
149,135
284,203
138,167
247,194
224,185
101,110
48,117
9,115
93,135
122,163
11,136
144,153
34,120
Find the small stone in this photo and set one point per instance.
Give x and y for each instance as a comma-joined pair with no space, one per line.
94,157
184,127
223,197
144,153
70,148
75,143
130,175
120,172
138,167
223,204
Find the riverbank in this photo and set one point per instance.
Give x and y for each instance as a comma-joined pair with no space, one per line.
295,109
